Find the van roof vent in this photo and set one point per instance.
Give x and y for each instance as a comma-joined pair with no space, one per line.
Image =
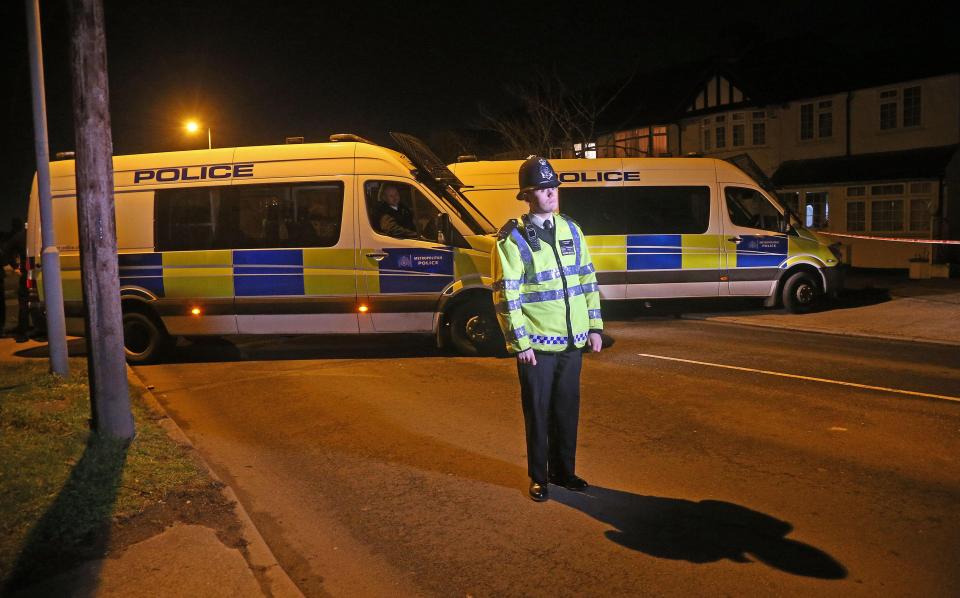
349,137
289,140
65,155
467,158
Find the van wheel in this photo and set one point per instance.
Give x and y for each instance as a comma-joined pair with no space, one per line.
144,339
801,293
474,329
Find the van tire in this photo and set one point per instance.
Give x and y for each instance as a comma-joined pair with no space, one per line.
801,293
474,329
144,338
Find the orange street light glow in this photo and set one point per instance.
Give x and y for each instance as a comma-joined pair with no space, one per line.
363,309
192,126
195,311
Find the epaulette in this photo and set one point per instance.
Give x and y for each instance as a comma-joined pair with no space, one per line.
507,229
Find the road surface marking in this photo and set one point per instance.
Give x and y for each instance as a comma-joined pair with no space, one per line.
811,378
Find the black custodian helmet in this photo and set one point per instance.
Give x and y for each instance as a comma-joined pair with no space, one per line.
536,173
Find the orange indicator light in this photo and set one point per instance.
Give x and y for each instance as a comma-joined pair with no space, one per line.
363,309
195,311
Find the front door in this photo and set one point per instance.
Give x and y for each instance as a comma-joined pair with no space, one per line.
755,246
402,266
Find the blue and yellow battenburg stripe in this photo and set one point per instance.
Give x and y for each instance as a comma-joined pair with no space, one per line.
618,253
225,273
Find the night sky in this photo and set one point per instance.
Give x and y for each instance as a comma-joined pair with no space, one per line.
257,72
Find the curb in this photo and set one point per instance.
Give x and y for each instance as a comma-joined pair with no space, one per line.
273,579
793,328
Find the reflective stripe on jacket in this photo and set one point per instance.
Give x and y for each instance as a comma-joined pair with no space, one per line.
532,289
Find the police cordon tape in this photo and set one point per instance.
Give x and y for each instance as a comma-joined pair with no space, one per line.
898,239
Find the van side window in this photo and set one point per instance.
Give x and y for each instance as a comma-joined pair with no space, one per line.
314,218
749,208
638,210
401,211
248,217
183,219
666,210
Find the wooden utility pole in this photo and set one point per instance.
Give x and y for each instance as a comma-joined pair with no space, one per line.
109,392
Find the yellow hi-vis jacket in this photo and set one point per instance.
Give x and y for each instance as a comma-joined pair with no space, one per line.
546,296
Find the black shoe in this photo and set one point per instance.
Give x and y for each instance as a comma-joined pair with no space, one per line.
539,492
574,483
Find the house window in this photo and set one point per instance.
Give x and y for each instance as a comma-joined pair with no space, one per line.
856,216
660,141
721,137
911,106
817,210
886,215
806,121
919,215
894,189
888,109
919,188
759,133
585,150
706,139
816,120
825,119
645,141
856,191
738,136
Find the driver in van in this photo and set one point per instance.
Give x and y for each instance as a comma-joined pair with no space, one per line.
392,217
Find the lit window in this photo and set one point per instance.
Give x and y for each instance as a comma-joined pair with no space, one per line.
817,214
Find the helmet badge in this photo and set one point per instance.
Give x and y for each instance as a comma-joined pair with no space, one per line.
546,173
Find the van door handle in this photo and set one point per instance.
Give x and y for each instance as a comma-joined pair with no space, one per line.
736,239
377,256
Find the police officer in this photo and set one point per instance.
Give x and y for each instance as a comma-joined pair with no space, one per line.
548,306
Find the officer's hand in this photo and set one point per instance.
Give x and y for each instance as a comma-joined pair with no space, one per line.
595,342
527,357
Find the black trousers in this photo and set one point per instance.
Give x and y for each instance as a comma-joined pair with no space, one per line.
550,394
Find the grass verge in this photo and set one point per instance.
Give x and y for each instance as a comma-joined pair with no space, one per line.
67,496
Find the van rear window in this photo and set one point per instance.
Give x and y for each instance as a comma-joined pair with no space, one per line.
638,210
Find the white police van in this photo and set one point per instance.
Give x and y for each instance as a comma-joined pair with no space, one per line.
675,228
284,240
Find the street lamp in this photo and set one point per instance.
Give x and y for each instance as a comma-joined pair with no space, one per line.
193,127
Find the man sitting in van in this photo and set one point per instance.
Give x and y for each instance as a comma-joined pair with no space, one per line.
324,227
392,217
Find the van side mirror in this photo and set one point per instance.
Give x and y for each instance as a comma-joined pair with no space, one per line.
443,227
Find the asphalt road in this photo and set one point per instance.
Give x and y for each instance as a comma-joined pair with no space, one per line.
376,466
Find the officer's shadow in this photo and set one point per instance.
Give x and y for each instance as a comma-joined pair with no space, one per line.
700,532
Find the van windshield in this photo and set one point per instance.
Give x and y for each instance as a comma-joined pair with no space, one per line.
432,172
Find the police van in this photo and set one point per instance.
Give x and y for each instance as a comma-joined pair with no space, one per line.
285,240
675,228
